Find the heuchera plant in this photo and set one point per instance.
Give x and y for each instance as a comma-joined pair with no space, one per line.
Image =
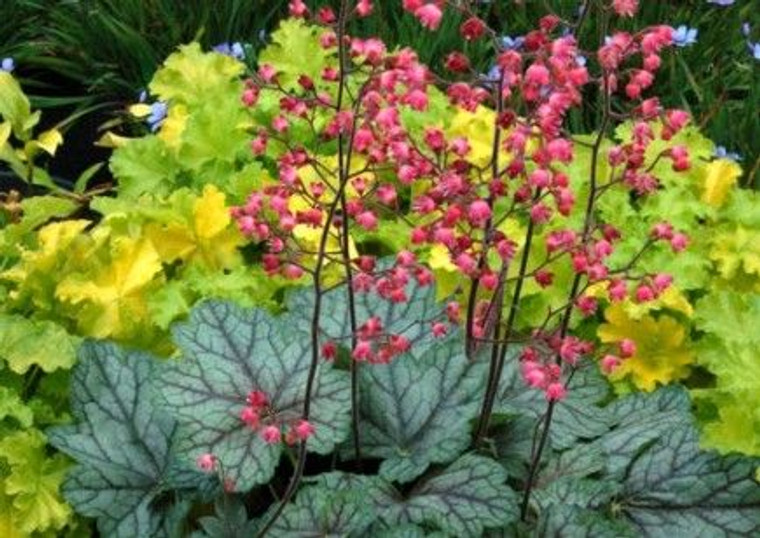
470,420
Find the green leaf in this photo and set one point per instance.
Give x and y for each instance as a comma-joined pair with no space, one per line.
40,209
34,481
460,500
121,442
415,412
466,497
190,76
11,405
144,165
412,318
324,511
14,106
230,520
25,342
574,522
576,417
674,490
228,352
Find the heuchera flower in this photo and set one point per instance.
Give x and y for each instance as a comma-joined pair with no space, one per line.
206,462
429,15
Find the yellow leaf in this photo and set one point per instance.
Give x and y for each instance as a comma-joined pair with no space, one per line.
113,293
5,132
50,140
662,353
210,213
720,177
174,125
111,140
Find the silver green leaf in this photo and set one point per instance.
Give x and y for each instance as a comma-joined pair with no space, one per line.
415,412
230,520
462,500
578,416
574,522
673,489
122,443
226,352
411,319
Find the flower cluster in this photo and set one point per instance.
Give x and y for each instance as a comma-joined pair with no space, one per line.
456,201
259,416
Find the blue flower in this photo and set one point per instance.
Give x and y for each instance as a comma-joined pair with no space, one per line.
685,36
158,111
722,3
746,29
512,43
231,49
722,153
7,65
754,50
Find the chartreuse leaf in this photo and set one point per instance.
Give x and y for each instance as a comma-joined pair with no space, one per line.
228,352
294,51
144,165
11,405
415,412
25,342
190,75
33,482
121,442
460,500
14,106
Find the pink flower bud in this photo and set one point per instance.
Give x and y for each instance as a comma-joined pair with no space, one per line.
617,290
271,434
627,348
661,282
362,351
429,15
250,417
679,242
257,399
644,294
610,363
439,329
206,462
303,429
555,392
364,8
479,212
329,350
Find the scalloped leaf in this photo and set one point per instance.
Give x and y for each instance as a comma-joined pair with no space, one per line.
575,522
227,352
410,319
230,520
121,442
576,417
674,489
460,500
415,412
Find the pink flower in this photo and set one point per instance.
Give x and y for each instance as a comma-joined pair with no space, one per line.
417,99
303,429
257,399
206,462
610,363
661,282
627,348
297,8
439,329
271,434
479,212
429,15
292,271
364,8
625,8
367,220
555,392
362,351
280,124
679,242
644,294
617,290
472,29
329,350
250,417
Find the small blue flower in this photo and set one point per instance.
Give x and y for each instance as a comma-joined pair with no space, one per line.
722,153
231,49
142,96
158,111
754,50
512,43
722,3
581,60
746,29
7,65
685,36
